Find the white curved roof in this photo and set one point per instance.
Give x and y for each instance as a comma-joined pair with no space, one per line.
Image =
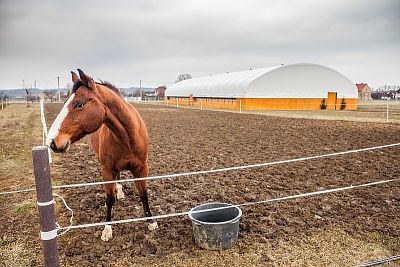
287,81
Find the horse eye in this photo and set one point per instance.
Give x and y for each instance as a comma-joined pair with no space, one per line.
79,105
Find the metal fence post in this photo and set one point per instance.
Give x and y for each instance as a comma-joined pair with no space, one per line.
47,219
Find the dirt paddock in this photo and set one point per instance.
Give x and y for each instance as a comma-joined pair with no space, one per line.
339,229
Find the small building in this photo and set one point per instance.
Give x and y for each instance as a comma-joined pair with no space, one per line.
154,94
287,87
160,92
364,91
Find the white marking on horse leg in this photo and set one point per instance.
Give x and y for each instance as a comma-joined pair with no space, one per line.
107,233
152,226
120,193
55,127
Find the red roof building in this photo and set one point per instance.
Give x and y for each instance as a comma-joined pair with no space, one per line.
364,91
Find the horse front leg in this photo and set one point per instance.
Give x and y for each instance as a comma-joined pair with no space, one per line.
120,192
142,192
109,190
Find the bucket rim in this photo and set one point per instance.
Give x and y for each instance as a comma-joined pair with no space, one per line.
234,220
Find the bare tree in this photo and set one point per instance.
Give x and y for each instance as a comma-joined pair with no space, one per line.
183,77
51,94
124,92
135,92
29,96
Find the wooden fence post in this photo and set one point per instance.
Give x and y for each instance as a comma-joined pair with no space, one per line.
47,219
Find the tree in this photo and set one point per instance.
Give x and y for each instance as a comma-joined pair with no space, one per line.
29,96
136,93
124,92
51,94
183,77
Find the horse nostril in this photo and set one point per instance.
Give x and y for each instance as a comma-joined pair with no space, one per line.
53,145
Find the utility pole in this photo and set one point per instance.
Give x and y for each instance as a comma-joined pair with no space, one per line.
23,84
35,84
140,89
58,86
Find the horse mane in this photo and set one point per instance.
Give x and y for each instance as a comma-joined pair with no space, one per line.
111,87
108,85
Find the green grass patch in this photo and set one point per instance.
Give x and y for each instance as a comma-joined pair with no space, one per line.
23,207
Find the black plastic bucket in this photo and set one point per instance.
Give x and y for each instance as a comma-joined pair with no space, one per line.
215,229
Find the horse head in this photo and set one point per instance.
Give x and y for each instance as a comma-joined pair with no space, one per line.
82,114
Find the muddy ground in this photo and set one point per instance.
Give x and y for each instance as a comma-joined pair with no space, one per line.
295,232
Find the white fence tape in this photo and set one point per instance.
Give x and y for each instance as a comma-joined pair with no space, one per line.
210,171
44,127
227,207
228,168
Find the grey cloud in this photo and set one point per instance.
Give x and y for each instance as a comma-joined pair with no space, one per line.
157,40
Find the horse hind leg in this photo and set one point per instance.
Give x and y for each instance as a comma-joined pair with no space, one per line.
145,201
120,192
142,192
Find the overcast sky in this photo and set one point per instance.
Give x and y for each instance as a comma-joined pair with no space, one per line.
155,41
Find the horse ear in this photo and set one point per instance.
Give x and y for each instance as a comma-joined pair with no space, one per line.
74,77
86,80
92,84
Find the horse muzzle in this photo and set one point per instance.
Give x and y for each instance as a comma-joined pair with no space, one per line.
63,149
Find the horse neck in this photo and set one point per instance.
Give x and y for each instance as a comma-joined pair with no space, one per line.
119,117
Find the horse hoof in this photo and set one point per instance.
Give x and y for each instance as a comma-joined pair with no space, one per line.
120,193
152,226
107,233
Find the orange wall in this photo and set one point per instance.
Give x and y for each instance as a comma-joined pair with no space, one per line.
266,103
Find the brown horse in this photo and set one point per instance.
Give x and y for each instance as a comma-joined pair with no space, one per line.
118,135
